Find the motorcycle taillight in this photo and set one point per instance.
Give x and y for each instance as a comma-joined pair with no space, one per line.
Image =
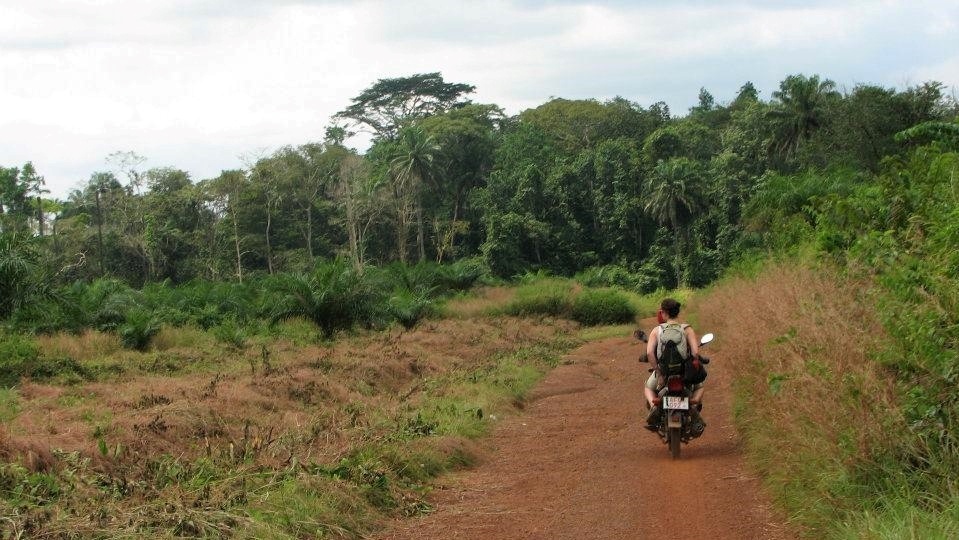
674,384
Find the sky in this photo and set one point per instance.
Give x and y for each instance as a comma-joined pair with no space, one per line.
209,85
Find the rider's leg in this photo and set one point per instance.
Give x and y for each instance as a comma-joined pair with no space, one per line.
649,390
650,396
696,401
652,419
697,396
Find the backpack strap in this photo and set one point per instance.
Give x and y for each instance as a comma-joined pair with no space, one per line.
684,326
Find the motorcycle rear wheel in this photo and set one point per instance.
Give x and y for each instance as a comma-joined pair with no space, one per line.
673,436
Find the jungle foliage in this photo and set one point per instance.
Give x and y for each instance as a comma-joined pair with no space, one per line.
562,187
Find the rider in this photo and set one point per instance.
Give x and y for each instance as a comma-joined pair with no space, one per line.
669,309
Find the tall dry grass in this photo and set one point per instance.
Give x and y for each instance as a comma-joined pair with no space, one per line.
478,303
87,346
818,413
274,441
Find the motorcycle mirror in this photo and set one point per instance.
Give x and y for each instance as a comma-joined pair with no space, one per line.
706,338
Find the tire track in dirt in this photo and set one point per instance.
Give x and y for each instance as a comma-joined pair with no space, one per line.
577,463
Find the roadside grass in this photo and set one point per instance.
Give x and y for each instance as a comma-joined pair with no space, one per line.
897,517
275,440
272,430
818,411
595,333
9,404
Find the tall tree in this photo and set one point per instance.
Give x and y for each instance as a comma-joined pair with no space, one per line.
312,170
33,186
13,200
176,215
747,94
412,165
266,181
362,205
799,110
229,189
674,195
467,137
391,104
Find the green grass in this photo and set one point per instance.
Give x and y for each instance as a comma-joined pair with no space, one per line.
896,517
595,333
559,297
9,404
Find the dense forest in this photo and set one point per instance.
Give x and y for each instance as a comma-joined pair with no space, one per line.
656,199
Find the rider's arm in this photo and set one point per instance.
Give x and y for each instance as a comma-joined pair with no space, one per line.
692,340
651,345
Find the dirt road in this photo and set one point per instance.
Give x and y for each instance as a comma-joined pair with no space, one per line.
577,464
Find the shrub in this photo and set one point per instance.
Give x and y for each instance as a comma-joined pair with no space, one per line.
610,275
335,297
549,296
18,357
298,330
231,334
463,274
602,306
172,337
408,308
424,278
138,329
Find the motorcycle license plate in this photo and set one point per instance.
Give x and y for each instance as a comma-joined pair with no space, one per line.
677,402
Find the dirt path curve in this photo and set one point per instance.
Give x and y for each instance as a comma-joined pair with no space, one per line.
578,464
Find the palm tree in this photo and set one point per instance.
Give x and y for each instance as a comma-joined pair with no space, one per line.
414,162
335,296
18,262
800,111
674,195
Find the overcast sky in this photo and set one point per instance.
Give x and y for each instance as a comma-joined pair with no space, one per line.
204,84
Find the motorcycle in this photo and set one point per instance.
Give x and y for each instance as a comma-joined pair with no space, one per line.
676,425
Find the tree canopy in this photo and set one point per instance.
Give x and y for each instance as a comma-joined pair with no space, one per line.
389,104
560,187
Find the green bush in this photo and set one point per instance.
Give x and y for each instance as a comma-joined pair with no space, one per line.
610,275
336,297
18,357
463,274
230,333
138,329
408,308
549,296
602,306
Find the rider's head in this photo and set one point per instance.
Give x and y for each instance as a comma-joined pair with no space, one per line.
670,307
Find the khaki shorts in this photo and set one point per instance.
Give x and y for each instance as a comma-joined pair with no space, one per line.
651,383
